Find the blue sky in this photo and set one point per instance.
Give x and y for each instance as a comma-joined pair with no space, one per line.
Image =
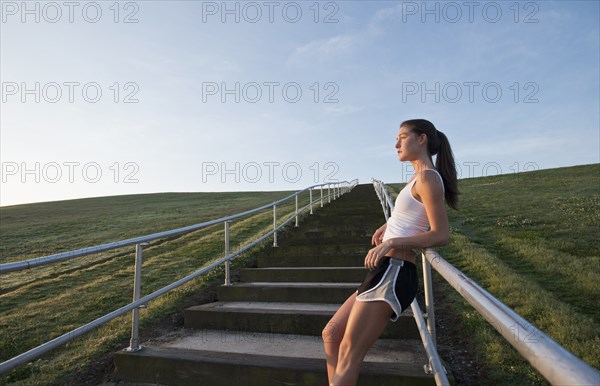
321,89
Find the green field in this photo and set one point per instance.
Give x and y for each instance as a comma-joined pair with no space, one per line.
531,239
42,303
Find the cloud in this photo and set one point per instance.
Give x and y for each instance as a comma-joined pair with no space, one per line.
324,49
336,47
341,110
385,14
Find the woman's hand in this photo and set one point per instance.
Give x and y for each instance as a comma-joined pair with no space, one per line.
378,235
376,255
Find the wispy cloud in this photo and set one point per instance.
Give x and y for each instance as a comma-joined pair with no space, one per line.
324,49
341,110
343,45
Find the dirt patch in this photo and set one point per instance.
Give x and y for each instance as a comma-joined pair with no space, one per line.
455,346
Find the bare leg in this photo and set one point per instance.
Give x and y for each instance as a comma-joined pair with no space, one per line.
366,322
333,334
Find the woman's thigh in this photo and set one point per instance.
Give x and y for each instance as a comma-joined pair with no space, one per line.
365,324
334,331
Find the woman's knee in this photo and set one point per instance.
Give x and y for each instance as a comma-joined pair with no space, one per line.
332,333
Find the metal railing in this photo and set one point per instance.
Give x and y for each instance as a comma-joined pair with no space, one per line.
425,323
554,362
334,190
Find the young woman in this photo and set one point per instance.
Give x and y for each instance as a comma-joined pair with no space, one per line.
418,221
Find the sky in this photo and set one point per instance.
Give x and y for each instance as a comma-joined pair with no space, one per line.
108,98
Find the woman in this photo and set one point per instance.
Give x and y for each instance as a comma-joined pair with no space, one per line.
419,220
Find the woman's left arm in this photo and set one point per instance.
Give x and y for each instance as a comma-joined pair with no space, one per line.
432,196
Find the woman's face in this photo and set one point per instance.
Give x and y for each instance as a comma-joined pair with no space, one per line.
408,144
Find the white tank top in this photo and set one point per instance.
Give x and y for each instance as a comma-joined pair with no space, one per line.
408,217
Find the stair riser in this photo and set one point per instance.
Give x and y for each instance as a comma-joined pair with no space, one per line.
308,275
190,372
287,294
342,238
300,324
318,250
175,372
311,260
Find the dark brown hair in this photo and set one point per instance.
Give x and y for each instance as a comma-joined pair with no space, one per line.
437,143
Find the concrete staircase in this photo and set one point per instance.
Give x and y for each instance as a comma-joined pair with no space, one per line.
266,329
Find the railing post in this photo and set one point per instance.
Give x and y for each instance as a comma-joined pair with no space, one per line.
321,196
275,225
310,200
428,298
296,211
134,343
328,193
227,276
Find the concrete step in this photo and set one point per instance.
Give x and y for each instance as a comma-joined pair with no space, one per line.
318,249
307,259
346,218
278,317
335,293
304,274
341,239
217,357
337,226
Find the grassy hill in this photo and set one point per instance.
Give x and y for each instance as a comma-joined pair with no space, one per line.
531,239
39,304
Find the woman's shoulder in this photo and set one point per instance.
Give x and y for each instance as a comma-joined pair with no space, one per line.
432,179
430,175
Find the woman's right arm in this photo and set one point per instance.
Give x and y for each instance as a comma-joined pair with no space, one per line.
378,235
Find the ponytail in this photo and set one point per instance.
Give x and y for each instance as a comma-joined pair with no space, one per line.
445,165
437,143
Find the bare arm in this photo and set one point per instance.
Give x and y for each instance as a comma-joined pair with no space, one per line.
378,235
431,194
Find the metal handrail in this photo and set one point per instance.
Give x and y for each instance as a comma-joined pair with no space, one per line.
554,362
58,257
141,302
425,323
384,198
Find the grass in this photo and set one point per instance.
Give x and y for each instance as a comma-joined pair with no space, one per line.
42,303
535,246
532,240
